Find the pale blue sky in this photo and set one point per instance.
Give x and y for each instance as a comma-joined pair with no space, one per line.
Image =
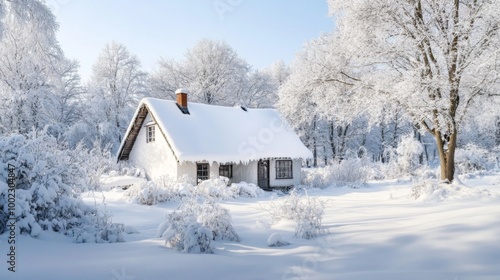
260,31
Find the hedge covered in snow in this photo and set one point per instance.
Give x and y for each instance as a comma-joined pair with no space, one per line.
166,189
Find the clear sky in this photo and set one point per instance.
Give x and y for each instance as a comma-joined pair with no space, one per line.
261,31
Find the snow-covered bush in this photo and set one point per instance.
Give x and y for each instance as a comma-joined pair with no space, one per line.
350,172
163,189
275,240
408,152
472,158
423,188
306,211
148,193
216,188
193,226
244,189
98,229
167,189
48,181
403,161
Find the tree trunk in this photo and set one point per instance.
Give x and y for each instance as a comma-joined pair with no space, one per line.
450,160
446,150
497,132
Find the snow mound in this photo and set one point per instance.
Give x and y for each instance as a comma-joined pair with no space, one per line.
431,190
114,181
130,229
275,240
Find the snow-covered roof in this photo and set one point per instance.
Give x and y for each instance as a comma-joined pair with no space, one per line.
217,133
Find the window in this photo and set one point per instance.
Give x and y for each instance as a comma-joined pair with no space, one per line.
284,169
202,172
150,133
226,170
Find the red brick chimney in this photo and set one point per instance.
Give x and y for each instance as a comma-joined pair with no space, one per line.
182,97
182,100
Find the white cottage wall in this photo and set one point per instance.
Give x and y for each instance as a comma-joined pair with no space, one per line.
246,172
156,157
189,169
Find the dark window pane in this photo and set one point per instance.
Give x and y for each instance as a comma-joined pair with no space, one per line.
226,170
150,134
284,169
202,172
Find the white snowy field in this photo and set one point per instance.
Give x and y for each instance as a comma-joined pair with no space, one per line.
376,232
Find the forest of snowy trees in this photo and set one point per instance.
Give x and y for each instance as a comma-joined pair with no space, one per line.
391,72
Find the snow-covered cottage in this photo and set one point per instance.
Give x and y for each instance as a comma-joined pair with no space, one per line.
174,138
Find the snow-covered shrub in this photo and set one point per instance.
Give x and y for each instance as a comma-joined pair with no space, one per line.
423,188
48,181
244,189
185,234
350,172
216,188
472,158
403,161
97,226
275,240
408,152
167,189
163,189
193,226
317,177
148,193
306,211
130,171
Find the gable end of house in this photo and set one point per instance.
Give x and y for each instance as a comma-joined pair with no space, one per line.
133,132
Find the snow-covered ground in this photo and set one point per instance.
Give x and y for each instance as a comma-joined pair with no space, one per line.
375,233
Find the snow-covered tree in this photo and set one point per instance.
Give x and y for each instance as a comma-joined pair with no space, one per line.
37,83
116,86
66,98
431,58
26,10
211,70
28,53
259,90
317,98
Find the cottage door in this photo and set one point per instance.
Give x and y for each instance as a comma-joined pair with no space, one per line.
263,174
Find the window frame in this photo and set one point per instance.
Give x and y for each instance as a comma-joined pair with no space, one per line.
150,133
199,177
229,170
282,164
